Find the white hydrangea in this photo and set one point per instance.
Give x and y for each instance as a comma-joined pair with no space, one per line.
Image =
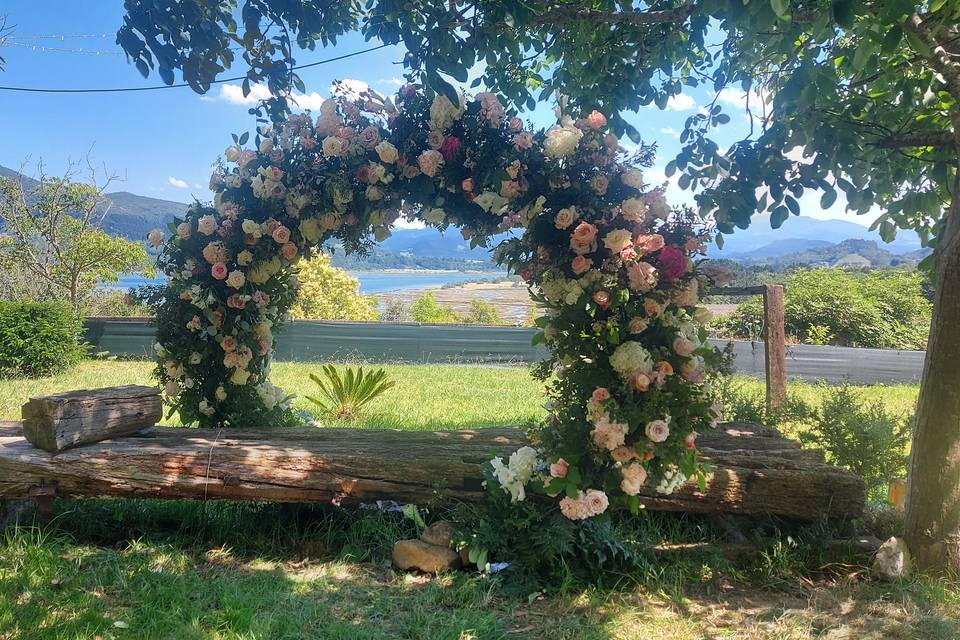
672,480
629,357
514,475
443,114
273,396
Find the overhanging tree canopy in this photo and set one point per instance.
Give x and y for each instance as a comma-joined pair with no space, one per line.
856,96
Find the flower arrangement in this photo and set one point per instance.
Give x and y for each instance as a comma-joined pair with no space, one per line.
614,269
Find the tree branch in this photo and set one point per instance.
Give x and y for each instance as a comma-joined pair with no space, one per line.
905,140
562,14
940,59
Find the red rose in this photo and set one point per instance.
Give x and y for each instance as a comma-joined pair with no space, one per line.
673,262
450,148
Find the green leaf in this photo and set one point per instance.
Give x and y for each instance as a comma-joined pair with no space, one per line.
781,8
828,198
778,216
843,13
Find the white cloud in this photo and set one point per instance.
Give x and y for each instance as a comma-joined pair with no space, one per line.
350,87
197,186
395,81
178,183
670,131
403,223
681,102
233,94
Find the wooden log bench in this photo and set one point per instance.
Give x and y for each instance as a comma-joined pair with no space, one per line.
754,470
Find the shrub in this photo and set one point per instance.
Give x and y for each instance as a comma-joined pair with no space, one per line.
38,338
884,308
329,293
427,309
863,437
482,312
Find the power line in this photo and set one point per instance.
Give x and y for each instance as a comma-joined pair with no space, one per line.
10,42
181,84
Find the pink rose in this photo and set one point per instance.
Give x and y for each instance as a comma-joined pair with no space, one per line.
435,140
260,299
657,430
430,162
219,271
523,140
228,343
281,235
581,264
648,243
690,440
584,238
683,347
370,137
516,124
596,501
602,299
673,262
641,276
183,230
236,301
596,120
288,251
600,394
559,468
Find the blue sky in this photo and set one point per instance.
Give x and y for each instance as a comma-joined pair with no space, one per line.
162,143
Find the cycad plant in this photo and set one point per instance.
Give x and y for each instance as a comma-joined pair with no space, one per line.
345,395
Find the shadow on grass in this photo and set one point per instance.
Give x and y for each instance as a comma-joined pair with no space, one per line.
145,570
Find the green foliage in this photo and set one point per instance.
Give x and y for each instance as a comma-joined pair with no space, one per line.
115,304
329,293
427,309
482,312
346,395
38,338
863,437
883,309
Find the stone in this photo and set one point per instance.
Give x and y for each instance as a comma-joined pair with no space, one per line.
429,558
892,561
439,533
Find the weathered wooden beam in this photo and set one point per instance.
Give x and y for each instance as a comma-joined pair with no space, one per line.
58,422
753,470
775,346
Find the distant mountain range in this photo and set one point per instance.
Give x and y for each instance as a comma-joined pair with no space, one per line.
129,215
800,233
801,240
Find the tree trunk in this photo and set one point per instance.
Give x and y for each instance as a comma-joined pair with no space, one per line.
933,502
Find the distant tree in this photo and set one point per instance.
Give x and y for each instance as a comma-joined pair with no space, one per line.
482,312
427,309
396,311
329,293
52,240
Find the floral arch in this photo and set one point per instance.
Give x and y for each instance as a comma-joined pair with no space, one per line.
614,270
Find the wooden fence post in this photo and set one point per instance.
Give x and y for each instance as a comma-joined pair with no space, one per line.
775,348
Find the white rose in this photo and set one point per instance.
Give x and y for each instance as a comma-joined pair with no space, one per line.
565,217
387,152
632,178
633,209
155,237
266,146
236,279
207,225
232,153
332,146
618,240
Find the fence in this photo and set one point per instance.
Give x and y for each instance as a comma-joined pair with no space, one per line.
321,340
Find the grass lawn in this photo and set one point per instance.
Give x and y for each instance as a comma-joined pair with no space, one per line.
426,396
149,570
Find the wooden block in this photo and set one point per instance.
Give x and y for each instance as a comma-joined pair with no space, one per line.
59,422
